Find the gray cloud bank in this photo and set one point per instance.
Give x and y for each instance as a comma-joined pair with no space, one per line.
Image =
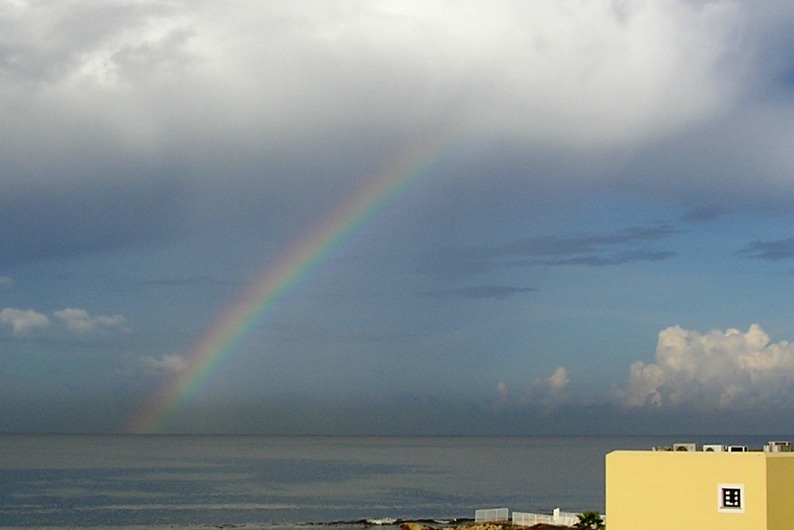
123,121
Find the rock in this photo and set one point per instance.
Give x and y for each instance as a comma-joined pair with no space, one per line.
413,526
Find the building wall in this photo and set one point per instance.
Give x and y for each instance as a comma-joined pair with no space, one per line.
663,490
780,491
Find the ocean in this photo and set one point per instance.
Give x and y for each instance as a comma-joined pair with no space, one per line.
64,481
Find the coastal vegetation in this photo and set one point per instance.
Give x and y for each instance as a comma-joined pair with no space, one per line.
590,521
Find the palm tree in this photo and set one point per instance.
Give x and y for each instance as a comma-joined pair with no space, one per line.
590,521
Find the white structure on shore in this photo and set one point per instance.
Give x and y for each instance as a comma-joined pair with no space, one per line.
492,515
556,518
502,515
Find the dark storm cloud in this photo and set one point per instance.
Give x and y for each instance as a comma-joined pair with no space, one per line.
781,249
281,103
84,217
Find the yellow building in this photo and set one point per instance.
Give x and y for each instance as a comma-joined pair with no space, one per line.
695,489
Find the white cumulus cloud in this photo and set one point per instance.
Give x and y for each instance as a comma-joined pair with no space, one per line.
503,394
23,322
81,322
550,392
718,370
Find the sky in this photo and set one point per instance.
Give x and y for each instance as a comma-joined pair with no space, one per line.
547,217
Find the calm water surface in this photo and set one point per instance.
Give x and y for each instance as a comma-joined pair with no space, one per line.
290,482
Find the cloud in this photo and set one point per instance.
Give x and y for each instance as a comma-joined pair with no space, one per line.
702,214
575,72
615,258
167,94
781,249
628,245
5,281
156,366
503,395
38,222
572,71
80,322
498,292
551,392
23,322
188,281
569,247
718,370
544,395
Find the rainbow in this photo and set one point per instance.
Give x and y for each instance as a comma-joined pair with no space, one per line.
221,340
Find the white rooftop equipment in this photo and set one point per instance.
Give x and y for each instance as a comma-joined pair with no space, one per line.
778,447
